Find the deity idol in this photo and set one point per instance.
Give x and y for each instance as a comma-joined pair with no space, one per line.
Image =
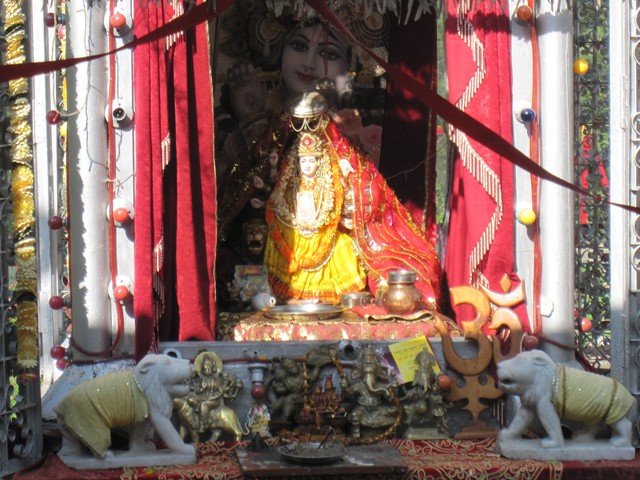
334,224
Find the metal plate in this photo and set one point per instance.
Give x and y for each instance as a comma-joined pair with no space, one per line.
312,453
310,311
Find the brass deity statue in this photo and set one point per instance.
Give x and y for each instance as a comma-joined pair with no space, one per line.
204,409
376,405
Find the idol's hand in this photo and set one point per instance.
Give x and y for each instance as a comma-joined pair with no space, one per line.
273,158
257,203
260,184
248,96
273,162
345,167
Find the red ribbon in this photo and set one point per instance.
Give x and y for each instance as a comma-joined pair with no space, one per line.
194,16
453,115
447,111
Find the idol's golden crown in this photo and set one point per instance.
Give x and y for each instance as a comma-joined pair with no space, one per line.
309,144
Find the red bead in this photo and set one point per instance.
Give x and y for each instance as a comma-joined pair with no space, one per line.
53,117
121,293
56,222
530,342
61,32
50,19
444,382
121,215
118,21
57,352
524,13
439,130
258,391
62,363
585,324
56,302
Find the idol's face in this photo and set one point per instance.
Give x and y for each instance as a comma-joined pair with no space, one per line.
312,53
308,165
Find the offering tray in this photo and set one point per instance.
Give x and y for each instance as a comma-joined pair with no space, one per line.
300,311
312,453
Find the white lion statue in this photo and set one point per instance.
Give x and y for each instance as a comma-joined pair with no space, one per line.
553,392
140,399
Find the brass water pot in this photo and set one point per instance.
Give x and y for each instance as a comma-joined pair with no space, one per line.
402,297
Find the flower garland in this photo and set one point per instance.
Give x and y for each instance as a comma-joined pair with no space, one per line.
22,199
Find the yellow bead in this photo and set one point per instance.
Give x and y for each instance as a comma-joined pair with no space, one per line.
526,216
580,66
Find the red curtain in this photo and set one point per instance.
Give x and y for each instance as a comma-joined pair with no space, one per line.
407,157
175,223
480,248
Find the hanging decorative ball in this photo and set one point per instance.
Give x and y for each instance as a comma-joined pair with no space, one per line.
524,13
580,66
61,32
258,391
585,324
530,342
325,83
439,130
121,215
118,21
444,382
56,222
527,115
56,302
50,19
54,117
527,216
57,352
62,363
121,293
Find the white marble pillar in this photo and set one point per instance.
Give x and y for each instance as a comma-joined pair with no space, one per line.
88,194
556,214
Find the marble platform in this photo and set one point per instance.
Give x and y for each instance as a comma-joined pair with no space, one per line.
125,459
521,449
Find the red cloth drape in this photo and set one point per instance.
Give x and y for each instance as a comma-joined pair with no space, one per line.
175,223
480,248
407,124
151,123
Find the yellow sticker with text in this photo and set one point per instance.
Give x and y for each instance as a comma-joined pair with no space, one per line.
404,354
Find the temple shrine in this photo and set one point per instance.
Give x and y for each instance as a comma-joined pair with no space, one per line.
299,239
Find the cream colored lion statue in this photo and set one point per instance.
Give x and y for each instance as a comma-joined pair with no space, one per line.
140,399
552,392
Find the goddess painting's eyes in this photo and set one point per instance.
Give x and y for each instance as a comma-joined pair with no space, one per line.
299,45
330,53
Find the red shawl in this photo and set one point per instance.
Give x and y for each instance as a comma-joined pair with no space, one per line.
386,235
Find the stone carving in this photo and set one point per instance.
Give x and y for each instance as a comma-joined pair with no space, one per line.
141,399
553,392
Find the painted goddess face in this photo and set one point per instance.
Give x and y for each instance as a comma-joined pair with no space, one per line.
308,165
312,53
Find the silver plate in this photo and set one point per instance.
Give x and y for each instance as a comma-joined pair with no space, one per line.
311,311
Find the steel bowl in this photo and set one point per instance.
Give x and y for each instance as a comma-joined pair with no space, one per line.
356,299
